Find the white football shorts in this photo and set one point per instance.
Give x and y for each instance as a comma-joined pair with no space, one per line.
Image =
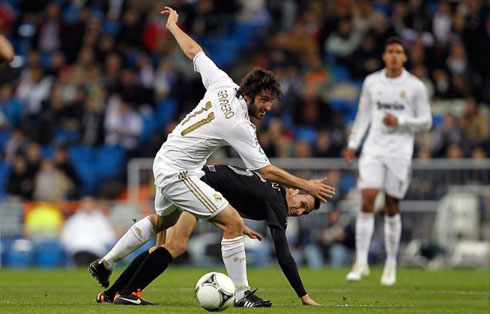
181,191
388,174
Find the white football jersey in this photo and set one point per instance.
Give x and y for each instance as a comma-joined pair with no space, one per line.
221,118
404,97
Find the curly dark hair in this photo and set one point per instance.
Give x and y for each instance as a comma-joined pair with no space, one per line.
258,80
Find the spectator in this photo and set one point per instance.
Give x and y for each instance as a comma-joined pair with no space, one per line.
123,125
63,164
344,40
88,233
14,146
10,107
475,124
33,158
454,151
32,90
19,183
49,31
337,239
44,220
447,133
92,124
50,184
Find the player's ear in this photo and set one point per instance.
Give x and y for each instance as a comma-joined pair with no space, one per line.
247,99
290,192
404,57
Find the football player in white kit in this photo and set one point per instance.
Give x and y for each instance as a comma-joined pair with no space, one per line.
395,105
221,118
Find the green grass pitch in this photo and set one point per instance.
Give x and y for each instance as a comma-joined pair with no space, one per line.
417,291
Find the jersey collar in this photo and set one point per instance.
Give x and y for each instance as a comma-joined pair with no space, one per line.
396,79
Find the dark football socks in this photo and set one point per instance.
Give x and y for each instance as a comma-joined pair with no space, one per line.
151,268
126,275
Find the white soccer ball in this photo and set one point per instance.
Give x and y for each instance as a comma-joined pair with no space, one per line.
215,291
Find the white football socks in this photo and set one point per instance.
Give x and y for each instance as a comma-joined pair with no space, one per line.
364,233
135,237
233,252
393,231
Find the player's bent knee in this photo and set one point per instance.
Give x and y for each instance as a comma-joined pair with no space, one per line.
236,226
367,206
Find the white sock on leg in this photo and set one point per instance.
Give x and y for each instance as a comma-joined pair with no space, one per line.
233,252
364,233
135,237
393,231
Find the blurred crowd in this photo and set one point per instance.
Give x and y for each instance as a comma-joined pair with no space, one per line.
106,72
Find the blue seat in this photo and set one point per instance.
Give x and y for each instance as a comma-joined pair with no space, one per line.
166,112
80,153
20,254
339,72
149,126
49,254
47,152
347,182
114,154
306,134
64,135
4,137
4,173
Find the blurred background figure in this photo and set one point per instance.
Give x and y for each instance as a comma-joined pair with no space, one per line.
337,239
87,234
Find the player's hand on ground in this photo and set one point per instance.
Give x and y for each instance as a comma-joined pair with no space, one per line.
390,120
173,16
349,155
252,234
306,300
319,189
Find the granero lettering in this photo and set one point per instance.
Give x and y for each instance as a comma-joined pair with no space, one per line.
224,104
394,106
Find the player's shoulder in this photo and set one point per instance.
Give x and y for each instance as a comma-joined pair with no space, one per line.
415,81
373,77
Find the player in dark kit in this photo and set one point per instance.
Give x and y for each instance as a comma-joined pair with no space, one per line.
254,198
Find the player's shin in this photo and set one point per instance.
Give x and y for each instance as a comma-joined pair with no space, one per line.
393,231
364,233
233,252
149,270
136,236
126,275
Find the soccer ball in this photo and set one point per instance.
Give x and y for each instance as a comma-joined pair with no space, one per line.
215,291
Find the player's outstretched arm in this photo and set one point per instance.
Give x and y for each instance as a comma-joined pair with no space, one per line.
6,50
316,188
288,265
188,45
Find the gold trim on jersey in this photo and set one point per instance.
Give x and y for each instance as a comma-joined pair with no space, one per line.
231,242
190,116
233,254
198,124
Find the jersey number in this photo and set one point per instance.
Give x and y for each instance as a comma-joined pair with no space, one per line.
199,123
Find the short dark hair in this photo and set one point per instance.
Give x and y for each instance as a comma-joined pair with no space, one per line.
393,40
317,203
258,80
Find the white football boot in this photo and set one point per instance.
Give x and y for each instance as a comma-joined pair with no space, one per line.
389,274
359,270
